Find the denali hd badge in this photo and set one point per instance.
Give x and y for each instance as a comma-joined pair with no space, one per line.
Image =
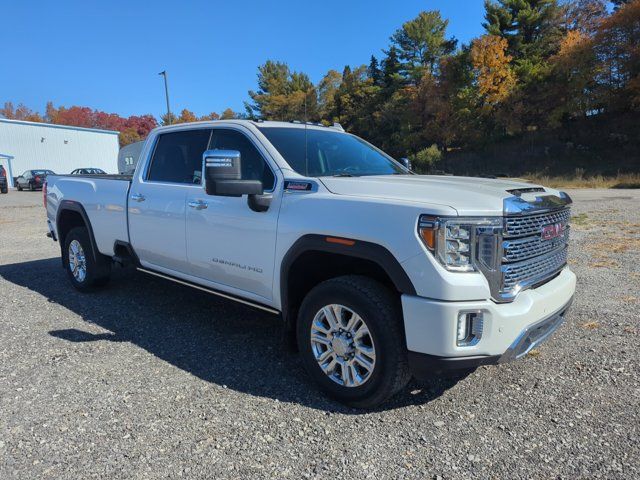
552,231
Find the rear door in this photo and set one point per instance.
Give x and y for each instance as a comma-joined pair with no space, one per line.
227,242
157,200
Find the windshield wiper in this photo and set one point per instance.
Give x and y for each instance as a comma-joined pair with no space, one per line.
345,175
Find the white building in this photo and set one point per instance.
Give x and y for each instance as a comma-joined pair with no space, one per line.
61,148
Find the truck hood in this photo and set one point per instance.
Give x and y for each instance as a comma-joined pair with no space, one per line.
467,195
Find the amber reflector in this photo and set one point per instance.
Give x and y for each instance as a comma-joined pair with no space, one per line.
429,237
341,241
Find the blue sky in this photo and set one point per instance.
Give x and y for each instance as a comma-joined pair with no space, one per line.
107,55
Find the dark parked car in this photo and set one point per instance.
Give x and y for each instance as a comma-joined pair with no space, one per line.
32,179
3,180
88,171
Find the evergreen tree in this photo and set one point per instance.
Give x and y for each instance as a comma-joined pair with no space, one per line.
282,94
532,28
374,72
421,44
391,71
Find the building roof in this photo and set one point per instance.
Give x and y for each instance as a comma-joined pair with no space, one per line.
51,125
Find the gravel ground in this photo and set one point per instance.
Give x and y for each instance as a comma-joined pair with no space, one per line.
147,379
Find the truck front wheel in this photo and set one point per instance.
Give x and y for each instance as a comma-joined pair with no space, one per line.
85,271
351,340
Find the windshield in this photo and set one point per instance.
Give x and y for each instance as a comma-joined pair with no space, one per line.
42,172
329,153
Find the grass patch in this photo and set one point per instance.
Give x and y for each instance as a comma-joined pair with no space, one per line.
581,219
604,263
578,180
590,325
615,245
629,299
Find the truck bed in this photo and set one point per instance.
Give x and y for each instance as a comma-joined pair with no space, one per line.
102,197
105,176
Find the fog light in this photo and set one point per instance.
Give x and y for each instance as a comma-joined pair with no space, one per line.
469,330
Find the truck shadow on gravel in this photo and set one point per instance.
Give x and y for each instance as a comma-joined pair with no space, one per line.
216,340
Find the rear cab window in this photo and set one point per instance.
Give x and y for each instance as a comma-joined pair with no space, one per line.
177,157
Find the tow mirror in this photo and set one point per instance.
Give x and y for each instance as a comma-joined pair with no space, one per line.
223,175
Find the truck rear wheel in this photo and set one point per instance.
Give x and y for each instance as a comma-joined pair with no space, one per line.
351,341
85,271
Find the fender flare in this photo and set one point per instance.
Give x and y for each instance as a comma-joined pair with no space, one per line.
342,246
70,205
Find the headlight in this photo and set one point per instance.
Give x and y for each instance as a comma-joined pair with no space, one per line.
455,241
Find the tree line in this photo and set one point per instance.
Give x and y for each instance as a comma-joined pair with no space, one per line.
540,66
132,129
546,72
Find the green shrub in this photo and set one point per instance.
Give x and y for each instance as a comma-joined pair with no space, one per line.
426,159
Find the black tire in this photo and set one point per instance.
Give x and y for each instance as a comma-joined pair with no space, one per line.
5,190
98,270
19,187
32,187
381,311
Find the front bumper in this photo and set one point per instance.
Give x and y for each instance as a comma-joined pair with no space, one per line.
510,330
425,366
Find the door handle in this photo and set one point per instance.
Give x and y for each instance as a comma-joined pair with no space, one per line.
137,197
198,204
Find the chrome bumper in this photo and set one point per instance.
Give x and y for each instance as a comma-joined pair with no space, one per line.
534,335
425,366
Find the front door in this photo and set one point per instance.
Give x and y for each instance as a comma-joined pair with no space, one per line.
227,242
157,209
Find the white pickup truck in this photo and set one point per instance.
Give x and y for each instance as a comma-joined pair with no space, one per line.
377,273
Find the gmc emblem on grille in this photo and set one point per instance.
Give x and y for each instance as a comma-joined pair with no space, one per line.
552,231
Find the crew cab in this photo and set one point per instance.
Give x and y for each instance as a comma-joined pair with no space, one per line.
377,273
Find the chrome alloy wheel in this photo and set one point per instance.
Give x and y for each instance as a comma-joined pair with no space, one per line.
77,261
342,345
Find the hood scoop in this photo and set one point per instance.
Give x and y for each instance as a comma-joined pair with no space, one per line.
519,191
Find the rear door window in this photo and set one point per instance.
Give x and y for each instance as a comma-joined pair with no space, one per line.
178,156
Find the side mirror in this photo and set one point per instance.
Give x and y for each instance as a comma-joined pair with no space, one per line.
223,175
406,163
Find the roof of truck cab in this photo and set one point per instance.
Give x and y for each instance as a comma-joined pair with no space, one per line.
254,123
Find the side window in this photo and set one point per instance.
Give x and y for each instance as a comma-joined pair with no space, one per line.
254,166
178,157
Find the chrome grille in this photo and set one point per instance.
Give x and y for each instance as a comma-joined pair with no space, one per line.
527,247
521,226
516,276
526,258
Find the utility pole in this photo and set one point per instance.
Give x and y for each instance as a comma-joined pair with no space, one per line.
166,93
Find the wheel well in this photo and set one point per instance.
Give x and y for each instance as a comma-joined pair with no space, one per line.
313,267
67,220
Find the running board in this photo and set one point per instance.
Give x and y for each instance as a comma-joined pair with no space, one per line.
212,291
